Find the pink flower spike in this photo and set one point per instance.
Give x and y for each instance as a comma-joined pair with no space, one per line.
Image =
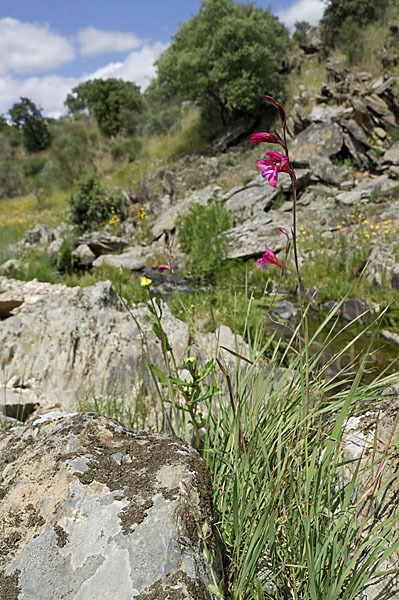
163,267
269,258
280,109
269,138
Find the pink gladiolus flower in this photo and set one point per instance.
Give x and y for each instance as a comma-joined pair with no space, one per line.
280,109
269,258
269,138
272,166
162,267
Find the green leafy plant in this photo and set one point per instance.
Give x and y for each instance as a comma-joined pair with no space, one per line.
202,238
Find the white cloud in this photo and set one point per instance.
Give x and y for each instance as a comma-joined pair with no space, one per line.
93,41
138,66
31,48
302,10
50,92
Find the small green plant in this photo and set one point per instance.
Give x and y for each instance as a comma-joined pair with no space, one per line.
38,266
202,238
64,260
279,200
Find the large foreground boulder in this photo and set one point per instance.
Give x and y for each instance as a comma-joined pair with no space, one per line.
93,510
84,342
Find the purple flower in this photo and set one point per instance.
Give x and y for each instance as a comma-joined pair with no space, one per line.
269,258
272,166
162,267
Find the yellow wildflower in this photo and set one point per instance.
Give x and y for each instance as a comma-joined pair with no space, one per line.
144,281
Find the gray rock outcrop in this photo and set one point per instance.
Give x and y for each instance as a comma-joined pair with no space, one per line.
93,510
84,341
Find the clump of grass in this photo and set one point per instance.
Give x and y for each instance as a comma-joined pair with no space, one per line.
119,405
291,521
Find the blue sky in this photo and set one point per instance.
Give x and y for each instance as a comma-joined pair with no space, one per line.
47,47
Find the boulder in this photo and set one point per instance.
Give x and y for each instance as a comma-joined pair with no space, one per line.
101,242
247,201
327,172
249,239
391,156
168,220
323,113
382,266
379,107
319,139
9,267
357,132
135,258
355,308
389,336
232,134
41,234
93,510
83,255
352,197
84,343
24,293
285,309
8,304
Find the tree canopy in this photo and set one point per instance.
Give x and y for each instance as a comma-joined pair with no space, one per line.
227,56
354,12
25,115
108,100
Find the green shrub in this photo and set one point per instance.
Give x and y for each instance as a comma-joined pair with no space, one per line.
91,207
352,40
70,157
33,165
126,149
162,121
338,13
201,236
11,180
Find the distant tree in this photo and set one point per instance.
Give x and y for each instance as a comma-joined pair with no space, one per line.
26,116
226,57
302,29
3,123
109,101
359,12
